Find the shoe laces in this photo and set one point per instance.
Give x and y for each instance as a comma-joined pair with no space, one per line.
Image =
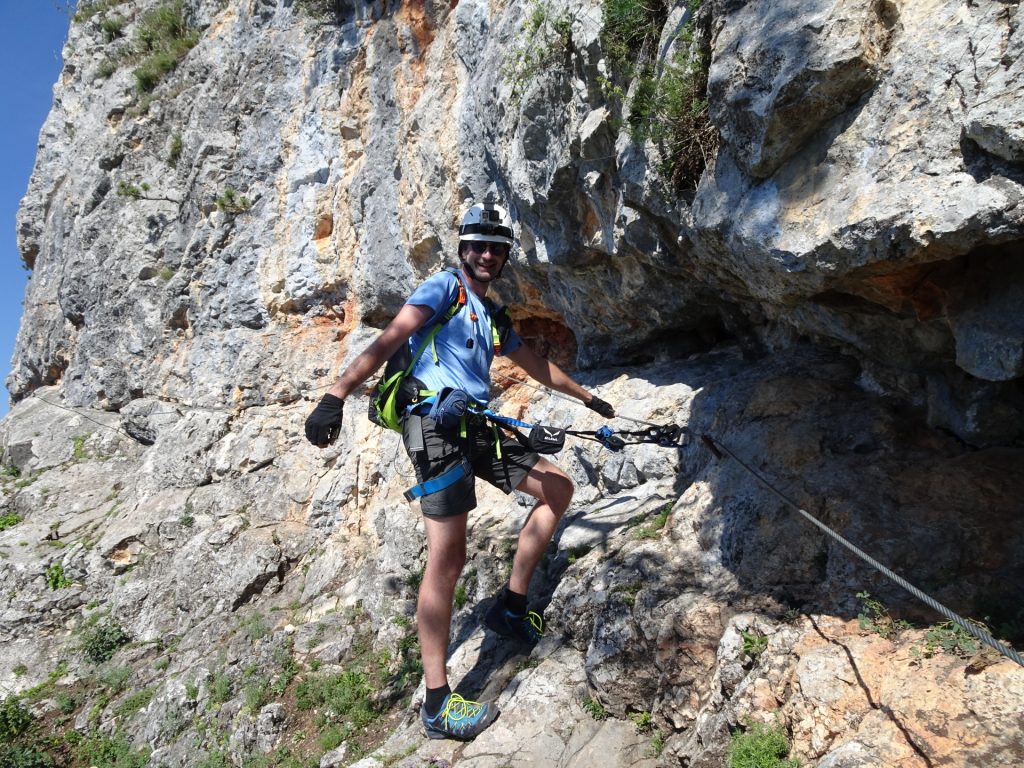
536,622
457,709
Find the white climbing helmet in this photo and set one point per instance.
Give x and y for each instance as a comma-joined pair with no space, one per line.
488,222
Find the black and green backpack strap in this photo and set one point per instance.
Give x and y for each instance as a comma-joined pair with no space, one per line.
457,304
501,325
388,404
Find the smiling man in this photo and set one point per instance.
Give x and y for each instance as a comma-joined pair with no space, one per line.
453,333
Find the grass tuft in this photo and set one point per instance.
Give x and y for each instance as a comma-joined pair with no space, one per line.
760,746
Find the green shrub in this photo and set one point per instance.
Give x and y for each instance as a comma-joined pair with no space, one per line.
643,721
575,553
78,451
546,42
256,627
14,718
113,28
153,68
135,702
23,756
331,737
343,697
287,670
950,638
630,30
754,643
102,751
106,68
174,154
410,667
874,617
216,759
9,521
102,640
115,678
231,202
653,530
220,689
657,744
162,40
595,709
760,746
55,578
86,10
124,189
256,695
46,688
413,580
66,702
628,591
669,106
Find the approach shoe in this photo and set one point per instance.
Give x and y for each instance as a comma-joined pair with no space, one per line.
459,718
526,628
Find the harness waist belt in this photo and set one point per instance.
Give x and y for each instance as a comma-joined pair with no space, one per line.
438,483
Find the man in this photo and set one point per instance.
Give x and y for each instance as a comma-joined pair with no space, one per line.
456,357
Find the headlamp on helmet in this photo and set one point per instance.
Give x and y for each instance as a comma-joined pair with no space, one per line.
486,222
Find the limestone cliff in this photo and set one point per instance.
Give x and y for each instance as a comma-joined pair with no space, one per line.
821,271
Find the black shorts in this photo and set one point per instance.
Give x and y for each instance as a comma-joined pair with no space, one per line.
443,450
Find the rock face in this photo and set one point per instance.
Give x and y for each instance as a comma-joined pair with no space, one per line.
838,300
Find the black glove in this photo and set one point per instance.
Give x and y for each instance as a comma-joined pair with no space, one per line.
324,423
599,405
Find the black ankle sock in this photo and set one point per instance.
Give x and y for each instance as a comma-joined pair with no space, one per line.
515,603
435,698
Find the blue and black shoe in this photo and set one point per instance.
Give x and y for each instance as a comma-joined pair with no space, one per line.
459,719
525,628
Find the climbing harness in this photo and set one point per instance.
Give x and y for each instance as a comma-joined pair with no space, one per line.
719,450
440,482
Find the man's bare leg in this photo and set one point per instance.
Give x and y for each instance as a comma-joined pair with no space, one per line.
446,556
553,490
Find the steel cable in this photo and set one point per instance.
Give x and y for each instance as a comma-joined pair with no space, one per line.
717,447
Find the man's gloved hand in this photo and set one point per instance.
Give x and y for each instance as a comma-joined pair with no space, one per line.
324,423
599,405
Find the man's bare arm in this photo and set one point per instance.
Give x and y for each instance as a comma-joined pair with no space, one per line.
547,373
408,320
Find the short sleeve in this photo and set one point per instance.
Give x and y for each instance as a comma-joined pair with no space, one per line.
438,292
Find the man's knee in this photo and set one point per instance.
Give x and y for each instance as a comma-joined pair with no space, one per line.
549,485
447,561
558,495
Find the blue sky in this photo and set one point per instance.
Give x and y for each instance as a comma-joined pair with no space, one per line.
32,33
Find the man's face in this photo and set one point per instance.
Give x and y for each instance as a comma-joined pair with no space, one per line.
485,259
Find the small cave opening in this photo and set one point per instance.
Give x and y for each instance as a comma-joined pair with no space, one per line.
550,338
675,343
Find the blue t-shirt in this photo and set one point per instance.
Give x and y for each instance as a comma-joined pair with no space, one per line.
458,363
